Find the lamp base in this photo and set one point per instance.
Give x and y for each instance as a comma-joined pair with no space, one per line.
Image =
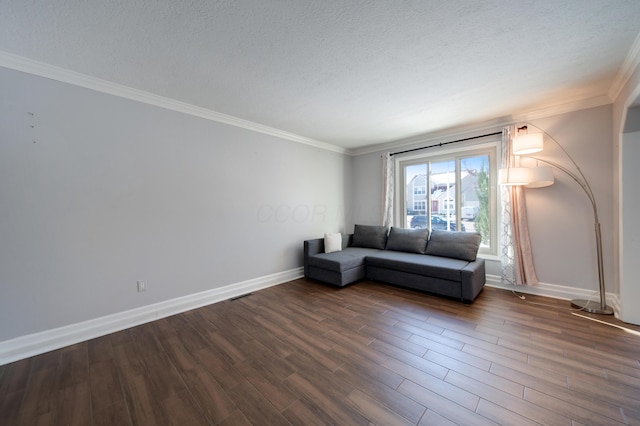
592,306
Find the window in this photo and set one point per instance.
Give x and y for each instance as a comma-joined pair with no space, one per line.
459,188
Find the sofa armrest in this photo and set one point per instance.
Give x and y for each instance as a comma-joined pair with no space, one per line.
473,279
312,247
316,246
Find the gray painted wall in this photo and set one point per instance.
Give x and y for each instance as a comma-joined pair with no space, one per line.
560,216
630,238
114,191
632,121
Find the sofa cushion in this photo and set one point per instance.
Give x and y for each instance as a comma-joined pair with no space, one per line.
456,245
370,236
409,240
419,264
340,261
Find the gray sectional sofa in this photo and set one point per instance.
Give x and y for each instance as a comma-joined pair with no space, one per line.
443,262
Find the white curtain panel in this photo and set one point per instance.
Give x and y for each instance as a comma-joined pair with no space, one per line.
388,173
506,238
516,255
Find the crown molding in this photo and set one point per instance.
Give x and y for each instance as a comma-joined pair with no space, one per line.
29,66
549,111
630,64
489,125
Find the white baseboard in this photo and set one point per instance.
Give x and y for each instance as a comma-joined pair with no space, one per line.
556,291
45,341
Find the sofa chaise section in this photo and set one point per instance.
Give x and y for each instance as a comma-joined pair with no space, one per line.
339,268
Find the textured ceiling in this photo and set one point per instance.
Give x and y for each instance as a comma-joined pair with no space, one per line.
348,73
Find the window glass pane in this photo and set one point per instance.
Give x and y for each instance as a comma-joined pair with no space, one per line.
443,195
475,196
416,199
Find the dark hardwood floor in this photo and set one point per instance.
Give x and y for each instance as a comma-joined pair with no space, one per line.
303,353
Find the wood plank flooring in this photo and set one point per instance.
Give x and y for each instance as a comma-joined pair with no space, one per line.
303,353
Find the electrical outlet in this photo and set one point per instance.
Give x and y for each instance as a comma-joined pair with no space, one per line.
142,286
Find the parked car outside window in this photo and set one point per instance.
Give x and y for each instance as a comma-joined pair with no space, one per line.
438,223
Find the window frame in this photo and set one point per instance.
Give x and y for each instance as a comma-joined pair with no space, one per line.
491,149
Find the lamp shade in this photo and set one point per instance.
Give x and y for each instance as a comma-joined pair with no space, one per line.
513,176
527,143
540,176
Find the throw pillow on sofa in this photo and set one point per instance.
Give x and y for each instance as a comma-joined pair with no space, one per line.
408,240
332,242
457,245
370,236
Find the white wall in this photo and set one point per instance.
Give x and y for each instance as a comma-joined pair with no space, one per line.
630,237
114,191
560,216
626,159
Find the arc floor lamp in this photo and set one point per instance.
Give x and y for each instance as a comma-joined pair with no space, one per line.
525,144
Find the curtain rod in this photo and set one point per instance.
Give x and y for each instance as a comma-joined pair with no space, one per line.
446,143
